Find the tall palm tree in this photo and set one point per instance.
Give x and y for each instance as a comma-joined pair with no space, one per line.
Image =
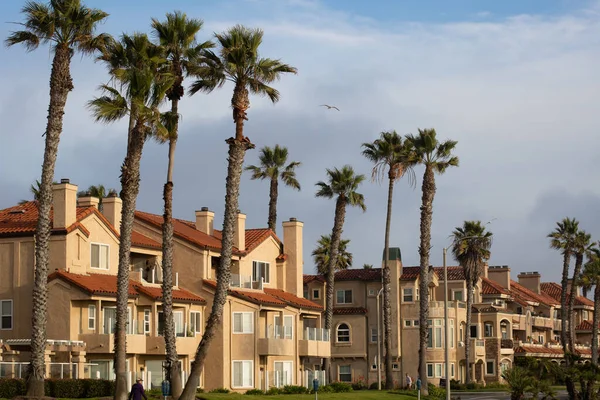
98,191
343,184
34,189
67,26
392,154
471,248
563,239
321,255
140,84
272,166
437,157
591,276
583,246
177,36
237,61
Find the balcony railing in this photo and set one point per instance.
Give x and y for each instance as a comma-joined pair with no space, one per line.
245,282
279,332
506,344
318,334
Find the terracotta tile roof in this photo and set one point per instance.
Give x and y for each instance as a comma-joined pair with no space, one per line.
554,290
585,326
454,273
252,296
410,273
349,310
100,284
139,240
488,286
311,278
293,300
359,274
522,292
156,293
528,349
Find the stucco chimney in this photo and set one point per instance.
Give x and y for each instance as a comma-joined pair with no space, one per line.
292,247
111,208
205,220
500,274
239,234
88,201
64,204
531,280
577,289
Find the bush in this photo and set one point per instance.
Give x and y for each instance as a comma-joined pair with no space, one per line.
340,387
254,392
292,389
66,388
200,390
360,385
273,391
98,388
325,389
436,393
472,386
10,388
456,385
219,390
61,388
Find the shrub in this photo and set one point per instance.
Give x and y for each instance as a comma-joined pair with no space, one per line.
456,385
10,388
199,390
340,387
292,389
471,386
254,392
273,391
66,388
219,390
325,389
436,393
98,388
359,384
519,382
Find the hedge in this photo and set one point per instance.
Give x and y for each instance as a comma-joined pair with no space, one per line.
61,388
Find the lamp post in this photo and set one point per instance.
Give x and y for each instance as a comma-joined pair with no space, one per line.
379,341
447,349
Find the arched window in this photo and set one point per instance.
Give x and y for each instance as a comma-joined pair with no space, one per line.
488,329
504,329
343,333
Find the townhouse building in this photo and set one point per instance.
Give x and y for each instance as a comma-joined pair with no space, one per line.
270,335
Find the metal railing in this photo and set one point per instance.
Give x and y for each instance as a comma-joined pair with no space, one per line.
279,332
506,344
245,282
317,334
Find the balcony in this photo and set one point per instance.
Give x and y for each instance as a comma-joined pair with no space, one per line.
557,324
105,343
506,346
278,341
477,350
543,322
185,344
519,322
245,282
315,343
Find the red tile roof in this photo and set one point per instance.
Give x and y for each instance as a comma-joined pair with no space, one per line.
252,296
359,274
408,274
585,326
551,351
488,286
520,291
139,240
454,273
311,278
156,293
293,300
349,310
554,290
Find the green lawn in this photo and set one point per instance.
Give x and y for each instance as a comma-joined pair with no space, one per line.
363,394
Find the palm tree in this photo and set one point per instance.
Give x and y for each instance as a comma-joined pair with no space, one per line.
34,189
437,157
98,191
343,184
67,26
563,239
471,248
321,255
583,246
237,61
140,86
591,277
390,152
177,36
272,166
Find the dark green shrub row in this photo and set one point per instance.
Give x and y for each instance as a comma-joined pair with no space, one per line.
219,390
61,388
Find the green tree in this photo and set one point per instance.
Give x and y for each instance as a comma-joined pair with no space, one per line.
471,248
98,191
177,36
321,255
343,184
391,156
591,276
140,83
437,157
237,61
68,27
583,246
273,167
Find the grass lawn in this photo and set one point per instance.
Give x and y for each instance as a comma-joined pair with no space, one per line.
357,395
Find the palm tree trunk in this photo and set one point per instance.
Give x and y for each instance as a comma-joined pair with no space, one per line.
563,300
387,306
60,86
428,189
336,234
468,331
273,193
167,265
572,295
596,321
130,187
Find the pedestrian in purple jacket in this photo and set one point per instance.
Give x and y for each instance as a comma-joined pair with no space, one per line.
137,391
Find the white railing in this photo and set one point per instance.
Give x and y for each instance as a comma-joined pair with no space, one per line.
278,379
245,282
132,328
181,333
318,334
19,370
279,332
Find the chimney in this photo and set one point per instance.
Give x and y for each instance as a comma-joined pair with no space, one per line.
500,274
111,208
64,204
88,201
239,233
577,289
205,220
531,280
292,247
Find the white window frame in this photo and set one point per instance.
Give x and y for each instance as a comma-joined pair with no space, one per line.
91,317
147,320
318,296
454,291
416,323
452,338
11,315
407,323
485,332
196,316
430,365
374,334
267,277
340,372
337,328
243,331
452,370
276,321
439,370
99,256
242,362
395,367
493,365
404,294
541,339
337,299
372,292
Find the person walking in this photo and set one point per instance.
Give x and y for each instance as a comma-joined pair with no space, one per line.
137,391
408,382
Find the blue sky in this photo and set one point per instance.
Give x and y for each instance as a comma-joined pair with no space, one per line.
515,82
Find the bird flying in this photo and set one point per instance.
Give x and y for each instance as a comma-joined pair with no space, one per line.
329,107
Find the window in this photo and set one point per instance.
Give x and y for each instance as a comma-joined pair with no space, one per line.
110,320
490,367
260,270
243,374
416,322
429,334
92,317
488,329
305,293
343,333
396,366
374,335
504,329
316,294
504,366
541,339
520,310
407,295
6,314
288,326
438,335
345,373
147,314
452,340
473,331
99,256
430,370
452,370
585,315
243,322
195,322
344,296
372,292
407,323
438,370
458,295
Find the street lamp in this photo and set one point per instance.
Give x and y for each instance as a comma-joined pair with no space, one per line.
379,341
